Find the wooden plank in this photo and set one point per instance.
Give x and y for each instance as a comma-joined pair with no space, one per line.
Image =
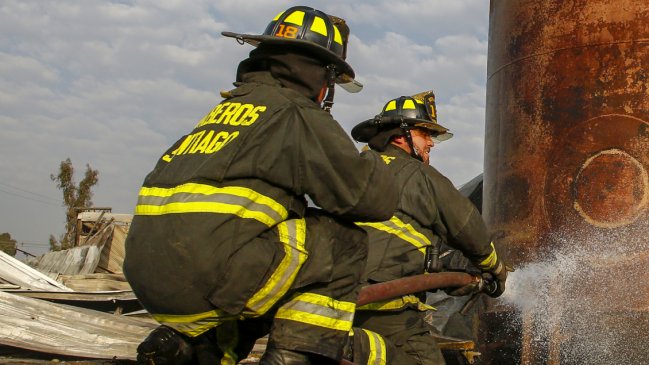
96,296
95,282
116,302
65,330
112,256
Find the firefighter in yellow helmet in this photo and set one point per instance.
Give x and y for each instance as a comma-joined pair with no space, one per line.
430,211
223,248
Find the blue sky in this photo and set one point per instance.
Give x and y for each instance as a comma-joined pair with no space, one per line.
113,83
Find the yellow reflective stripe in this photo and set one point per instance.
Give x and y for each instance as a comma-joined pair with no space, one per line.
319,26
378,353
201,198
205,208
491,260
391,105
293,234
314,319
297,18
408,104
277,17
318,310
193,324
227,338
208,190
397,303
325,301
406,232
229,357
411,230
337,36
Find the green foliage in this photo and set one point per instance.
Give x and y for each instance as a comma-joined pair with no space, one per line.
74,196
54,244
7,244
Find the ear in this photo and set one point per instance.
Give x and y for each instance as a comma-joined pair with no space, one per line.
399,139
401,142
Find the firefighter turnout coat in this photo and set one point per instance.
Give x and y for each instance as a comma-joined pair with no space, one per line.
221,229
431,210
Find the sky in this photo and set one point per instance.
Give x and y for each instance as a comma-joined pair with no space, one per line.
113,83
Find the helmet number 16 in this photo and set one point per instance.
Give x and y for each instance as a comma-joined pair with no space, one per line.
287,31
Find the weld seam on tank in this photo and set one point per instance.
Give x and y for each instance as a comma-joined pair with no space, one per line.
642,40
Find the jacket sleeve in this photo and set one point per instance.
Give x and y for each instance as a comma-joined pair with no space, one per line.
338,178
465,228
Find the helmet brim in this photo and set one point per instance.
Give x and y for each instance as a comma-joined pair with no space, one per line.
366,130
441,133
345,77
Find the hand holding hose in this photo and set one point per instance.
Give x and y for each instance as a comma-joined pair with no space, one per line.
494,273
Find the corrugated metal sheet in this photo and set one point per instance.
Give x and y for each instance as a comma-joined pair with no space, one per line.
16,273
59,329
102,252
77,260
94,216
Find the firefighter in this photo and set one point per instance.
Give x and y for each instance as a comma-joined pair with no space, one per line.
223,248
430,211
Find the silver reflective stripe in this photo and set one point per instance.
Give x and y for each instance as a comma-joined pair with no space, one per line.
203,198
404,231
292,234
378,351
318,310
215,198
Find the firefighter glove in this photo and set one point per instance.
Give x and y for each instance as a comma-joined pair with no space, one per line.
455,260
495,273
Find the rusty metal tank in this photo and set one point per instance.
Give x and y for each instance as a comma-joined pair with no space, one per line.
566,164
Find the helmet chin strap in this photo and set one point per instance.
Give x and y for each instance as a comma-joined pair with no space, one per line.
328,102
413,151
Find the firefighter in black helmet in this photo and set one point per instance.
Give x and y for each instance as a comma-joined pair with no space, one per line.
223,248
430,211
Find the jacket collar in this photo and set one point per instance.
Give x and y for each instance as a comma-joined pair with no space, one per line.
397,151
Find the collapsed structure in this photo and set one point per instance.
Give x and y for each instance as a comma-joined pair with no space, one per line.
74,302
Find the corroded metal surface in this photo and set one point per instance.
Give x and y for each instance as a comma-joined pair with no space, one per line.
567,136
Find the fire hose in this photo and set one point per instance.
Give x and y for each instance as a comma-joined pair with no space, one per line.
419,283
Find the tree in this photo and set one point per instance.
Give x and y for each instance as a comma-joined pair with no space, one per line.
74,196
7,244
54,243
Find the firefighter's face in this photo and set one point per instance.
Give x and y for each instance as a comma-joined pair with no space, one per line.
423,142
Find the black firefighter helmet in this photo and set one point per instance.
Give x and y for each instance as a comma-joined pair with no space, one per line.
323,35
399,116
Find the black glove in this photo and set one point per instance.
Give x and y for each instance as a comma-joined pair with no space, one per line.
165,346
494,271
495,279
454,260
